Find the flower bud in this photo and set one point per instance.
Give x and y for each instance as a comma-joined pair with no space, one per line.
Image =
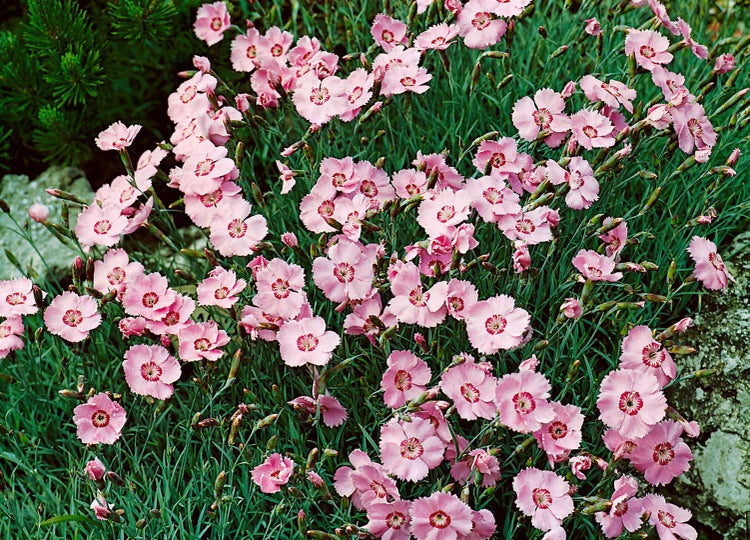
95,469
38,212
724,64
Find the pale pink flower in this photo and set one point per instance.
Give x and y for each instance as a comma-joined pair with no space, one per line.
374,184
368,483
280,288
440,213
496,324
226,200
148,296
625,512
595,266
615,238
584,189
100,226
631,402
447,176
260,325
561,435
190,100
400,78
205,169
438,37
211,22
317,101
175,317
670,520
405,379
346,273
117,136
331,410
579,464
409,182
543,113
388,32
709,267
724,63
357,91
220,288
72,317
701,51
95,469
531,228
11,330
114,271
662,455
273,473
621,447
544,496
479,461
492,198
200,341
410,449
672,85
505,8
640,352
132,326
693,128
495,157
521,400
102,509
592,129
390,520
306,341
571,308
411,304
99,420
38,212
17,297
286,175
593,28
150,371
649,48
441,516
472,388
460,296
237,234
273,47
613,93
478,27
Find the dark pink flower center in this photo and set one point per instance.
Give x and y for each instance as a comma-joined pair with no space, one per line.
355,94
456,303
576,180
446,213
326,208
368,188
408,81
498,160
542,118
666,519
493,195
653,355
524,403
307,342
236,228
558,430
525,226
252,52
15,298
695,127
221,293
593,272
387,36
4,331
379,489
150,372
621,508
216,24
590,131
439,520
402,381
411,448
202,344
470,392
495,324
344,272
647,51
72,318
542,498
280,288
417,297
116,276
211,199
716,261
102,226
100,419
149,299
204,167
319,97
481,20
663,453
630,402
189,93
395,520
277,50
171,318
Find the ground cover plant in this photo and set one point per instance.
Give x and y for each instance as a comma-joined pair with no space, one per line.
438,268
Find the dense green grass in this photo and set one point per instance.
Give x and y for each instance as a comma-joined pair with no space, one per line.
169,467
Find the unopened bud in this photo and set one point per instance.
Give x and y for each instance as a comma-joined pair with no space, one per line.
219,483
115,478
267,421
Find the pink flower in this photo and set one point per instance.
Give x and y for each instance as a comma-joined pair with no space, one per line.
492,198
670,520
625,512
148,296
201,341
584,189
662,455
693,128
640,352
101,226
332,412
150,371
390,520
346,274
531,228
273,473
479,27
211,22
578,464
672,85
544,496
631,402
505,8
441,516
405,379
279,285
496,324
724,63
494,157
615,238
440,212
368,483
132,326
571,308
38,212
388,32
114,271
413,305
95,469
175,317
439,37
238,234
471,387
479,461
99,420
649,48
306,341
595,266
613,93
563,434
709,268
317,101
11,330
460,296
543,113
592,129
400,78
410,449
117,136
593,28
101,507
521,400
701,51
220,288
72,317
17,297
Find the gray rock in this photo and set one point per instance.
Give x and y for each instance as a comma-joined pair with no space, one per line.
717,487
37,250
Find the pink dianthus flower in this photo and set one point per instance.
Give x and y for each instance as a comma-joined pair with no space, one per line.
306,341
72,317
521,400
441,516
405,379
117,136
496,324
544,496
410,449
150,371
709,267
99,420
273,473
211,22
631,402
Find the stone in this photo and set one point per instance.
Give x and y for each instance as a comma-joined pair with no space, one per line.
717,486
37,250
